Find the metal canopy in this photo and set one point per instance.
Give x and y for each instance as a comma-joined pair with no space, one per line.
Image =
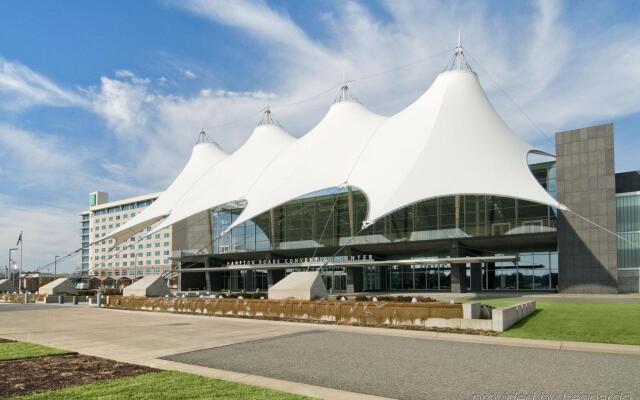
322,263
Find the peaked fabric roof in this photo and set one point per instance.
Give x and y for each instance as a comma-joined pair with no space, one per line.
234,177
449,141
204,157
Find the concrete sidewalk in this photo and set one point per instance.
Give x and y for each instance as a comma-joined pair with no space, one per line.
145,337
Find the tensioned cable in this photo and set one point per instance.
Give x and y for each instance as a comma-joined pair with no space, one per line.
598,225
297,102
125,247
510,98
361,78
393,69
326,224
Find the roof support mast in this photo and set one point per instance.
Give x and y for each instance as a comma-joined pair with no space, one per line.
458,53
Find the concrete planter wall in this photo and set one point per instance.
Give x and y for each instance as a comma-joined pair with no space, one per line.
414,315
19,298
505,317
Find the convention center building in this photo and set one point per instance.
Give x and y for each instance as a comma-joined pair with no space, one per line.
441,196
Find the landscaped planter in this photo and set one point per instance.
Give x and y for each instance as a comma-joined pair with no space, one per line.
410,315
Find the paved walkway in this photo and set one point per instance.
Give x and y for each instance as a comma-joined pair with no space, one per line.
327,361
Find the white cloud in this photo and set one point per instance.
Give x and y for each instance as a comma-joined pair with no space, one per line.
61,173
559,76
21,87
190,74
48,231
122,102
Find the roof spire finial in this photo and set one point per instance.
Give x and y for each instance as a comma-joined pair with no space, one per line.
458,52
267,119
202,136
458,62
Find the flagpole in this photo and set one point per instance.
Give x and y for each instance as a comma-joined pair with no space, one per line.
20,273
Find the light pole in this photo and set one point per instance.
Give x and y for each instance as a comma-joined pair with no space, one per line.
55,266
9,267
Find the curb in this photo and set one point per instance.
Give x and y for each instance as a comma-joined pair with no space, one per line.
318,392
432,335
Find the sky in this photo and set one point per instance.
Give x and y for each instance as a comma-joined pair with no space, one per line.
111,95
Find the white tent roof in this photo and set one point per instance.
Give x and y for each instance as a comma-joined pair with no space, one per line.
233,178
204,157
449,141
321,159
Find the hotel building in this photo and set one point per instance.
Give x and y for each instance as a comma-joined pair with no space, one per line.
118,265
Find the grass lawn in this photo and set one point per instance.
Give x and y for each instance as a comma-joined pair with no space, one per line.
19,350
163,385
581,322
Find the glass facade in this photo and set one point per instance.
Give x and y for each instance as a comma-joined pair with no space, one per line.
314,222
628,221
334,219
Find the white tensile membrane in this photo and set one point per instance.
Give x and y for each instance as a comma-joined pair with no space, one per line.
204,156
232,179
321,159
449,141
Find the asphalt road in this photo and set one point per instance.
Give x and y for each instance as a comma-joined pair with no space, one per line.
408,368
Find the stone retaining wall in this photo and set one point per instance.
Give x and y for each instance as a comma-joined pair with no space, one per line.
505,317
410,315
19,298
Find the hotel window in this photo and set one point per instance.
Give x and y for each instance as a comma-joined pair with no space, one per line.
157,262
148,262
139,262
157,254
148,254
166,252
166,243
166,235
148,245
158,244
157,236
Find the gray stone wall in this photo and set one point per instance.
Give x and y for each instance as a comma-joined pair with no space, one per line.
586,184
192,235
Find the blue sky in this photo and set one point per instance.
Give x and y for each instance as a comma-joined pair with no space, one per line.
111,95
